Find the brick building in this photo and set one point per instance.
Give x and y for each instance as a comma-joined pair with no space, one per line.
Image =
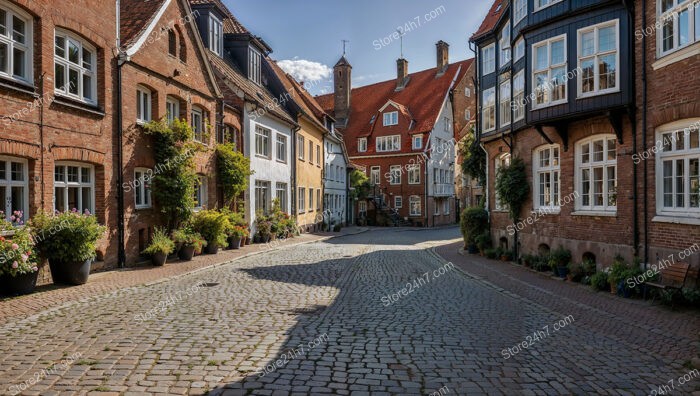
402,132
564,87
58,89
165,75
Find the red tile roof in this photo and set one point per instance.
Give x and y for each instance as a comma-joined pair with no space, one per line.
300,96
492,18
420,104
135,16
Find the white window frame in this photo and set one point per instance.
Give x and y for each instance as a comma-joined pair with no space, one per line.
254,66
467,114
143,105
519,48
499,162
172,109
262,189
263,138
375,175
488,108
391,118
549,69
281,148
318,199
301,200
388,143
595,56
65,184
362,145
318,155
301,147
674,144
590,166
673,15
281,194
197,123
504,103
446,206
395,175
519,11
519,96
436,207
27,47
467,92
361,208
553,169
142,186
7,182
417,142
216,36
547,3
201,193
398,202
83,71
488,59
414,202
311,152
413,174
505,51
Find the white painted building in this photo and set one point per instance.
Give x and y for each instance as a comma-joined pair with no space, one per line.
440,167
336,179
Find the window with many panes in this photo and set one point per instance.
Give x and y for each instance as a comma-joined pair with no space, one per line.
680,24
143,105
500,162
547,170
678,170
281,195
504,46
414,205
391,118
414,174
172,109
16,44
488,59
262,196
301,147
488,114
395,174
216,37
598,59
549,71
200,192
504,102
374,175
388,143
75,64
14,190
519,10
74,187
197,123
262,141
519,49
254,72
540,4
596,173
301,200
362,145
519,96
142,188
398,201
281,148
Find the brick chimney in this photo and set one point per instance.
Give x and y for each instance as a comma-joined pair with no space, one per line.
401,73
443,55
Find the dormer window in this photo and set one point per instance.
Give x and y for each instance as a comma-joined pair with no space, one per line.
254,66
391,118
216,37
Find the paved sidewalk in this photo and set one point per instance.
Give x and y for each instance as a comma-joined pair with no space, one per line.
53,296
641,326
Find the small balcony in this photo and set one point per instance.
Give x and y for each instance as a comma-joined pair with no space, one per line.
443,190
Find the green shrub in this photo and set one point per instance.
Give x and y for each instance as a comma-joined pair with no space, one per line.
599,281
67,236
188,237
17,255
474,221
491,253
483,241
559,257
576,271
234,171
512,186
212,225
160,243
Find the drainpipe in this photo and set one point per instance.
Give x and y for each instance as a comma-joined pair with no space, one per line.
121,60
293,182
635,176
644,134
41,140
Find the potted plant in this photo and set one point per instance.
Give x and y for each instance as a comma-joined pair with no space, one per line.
506,255
160,248
19,262
235,236
599,281
559,261
190,243
575,272
474,222
68,240
616,273
483,242
491,253
212,226
528,260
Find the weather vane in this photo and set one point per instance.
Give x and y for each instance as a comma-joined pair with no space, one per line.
401,33
344,42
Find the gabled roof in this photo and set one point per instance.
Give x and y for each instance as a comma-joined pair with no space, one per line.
135,18
489,23
300,96
231,24
421,100
227,73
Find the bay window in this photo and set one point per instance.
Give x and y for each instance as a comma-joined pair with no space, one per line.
489,110
16,44
14,189
678,170
519,10
596,173
75,62
598,59
549,72
504,46
547,170
488,59
519,96
74,187
505,102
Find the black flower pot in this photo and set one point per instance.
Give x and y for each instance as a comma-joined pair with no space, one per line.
212,248
234,242
562,271
71,272
18,285
159,259
472,249
186,253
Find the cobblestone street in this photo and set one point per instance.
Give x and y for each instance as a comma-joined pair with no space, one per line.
330,318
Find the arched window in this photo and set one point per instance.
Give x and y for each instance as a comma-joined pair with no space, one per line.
596,174
16,43
546,172
75,63
172,43
678,168
14,189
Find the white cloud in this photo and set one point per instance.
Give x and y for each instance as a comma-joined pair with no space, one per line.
304,70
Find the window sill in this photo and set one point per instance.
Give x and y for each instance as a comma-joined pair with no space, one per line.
78,105
676,56
18,86
663,218
544,211
594,213
589,95
262,156
548,105
139,208
282,162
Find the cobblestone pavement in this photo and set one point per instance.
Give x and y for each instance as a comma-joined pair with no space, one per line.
323,318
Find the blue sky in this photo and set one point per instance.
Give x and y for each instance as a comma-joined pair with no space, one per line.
308,34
